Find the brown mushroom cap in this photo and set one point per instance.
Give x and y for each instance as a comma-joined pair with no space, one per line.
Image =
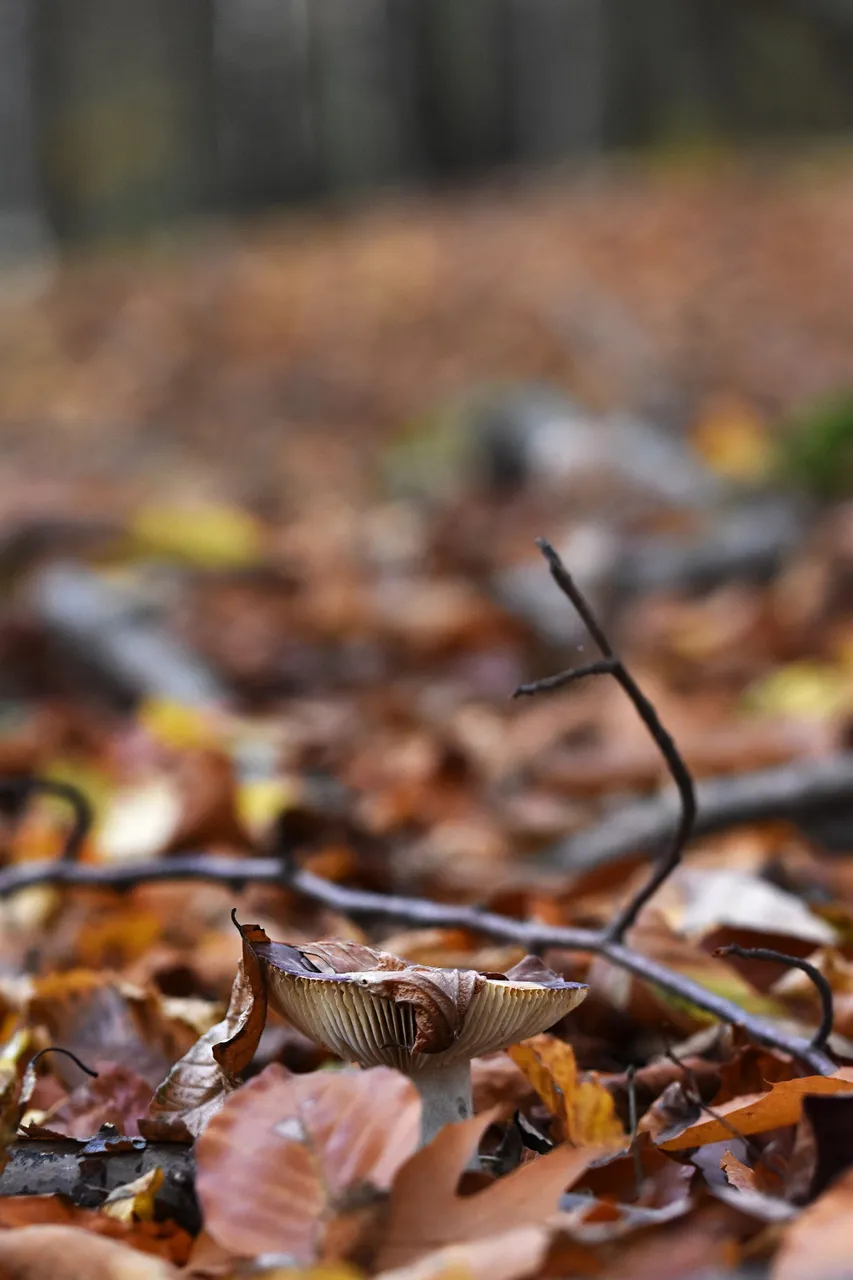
373,1008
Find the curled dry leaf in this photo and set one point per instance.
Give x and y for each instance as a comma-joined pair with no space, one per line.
288,1156
198,1084
67,1253
116,1096
758,1112
426,1214
585,1109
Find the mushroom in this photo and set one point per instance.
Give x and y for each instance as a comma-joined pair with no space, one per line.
375,1009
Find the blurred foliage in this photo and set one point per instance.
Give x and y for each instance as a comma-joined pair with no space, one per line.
816,446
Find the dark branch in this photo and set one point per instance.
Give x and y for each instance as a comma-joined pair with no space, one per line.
21,790
796,792
55,1048
824,990
605,667
674,762
363,904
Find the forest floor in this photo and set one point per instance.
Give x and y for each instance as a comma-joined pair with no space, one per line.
269,580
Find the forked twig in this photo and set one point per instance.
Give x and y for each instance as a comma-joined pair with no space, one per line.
824,990
613,665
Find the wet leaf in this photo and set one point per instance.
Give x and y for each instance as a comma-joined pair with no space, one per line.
318,1145
583,1106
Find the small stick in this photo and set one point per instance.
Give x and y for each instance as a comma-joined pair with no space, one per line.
55,1048
824,990
633,1122
34,784
614,666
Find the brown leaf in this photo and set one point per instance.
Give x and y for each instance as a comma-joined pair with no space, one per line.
505,1256
313,1143
816,1245
67,1253
337,956
116,1096
758,1112
440,999
738,1175
198,1084
102,1020
426,1214
584,1107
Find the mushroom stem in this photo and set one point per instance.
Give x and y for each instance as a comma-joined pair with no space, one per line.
445,1096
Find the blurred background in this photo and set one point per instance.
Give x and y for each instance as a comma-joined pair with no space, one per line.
313,315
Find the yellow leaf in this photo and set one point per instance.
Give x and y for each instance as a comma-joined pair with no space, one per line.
583,1106
213,536
733,440
176,725
813,690
134,1202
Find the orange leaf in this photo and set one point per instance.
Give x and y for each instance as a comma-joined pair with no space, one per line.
426,1213
285,1153
585,1109
758,1112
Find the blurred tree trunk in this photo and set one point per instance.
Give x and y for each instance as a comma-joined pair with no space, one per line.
22,224
361,87
558,77
464,63
126,103
266,125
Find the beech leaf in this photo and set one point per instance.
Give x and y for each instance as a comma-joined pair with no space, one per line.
426,1214
286,1154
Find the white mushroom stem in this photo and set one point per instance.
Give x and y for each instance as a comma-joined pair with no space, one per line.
445,1096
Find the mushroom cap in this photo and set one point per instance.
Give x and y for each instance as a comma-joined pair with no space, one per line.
371,1007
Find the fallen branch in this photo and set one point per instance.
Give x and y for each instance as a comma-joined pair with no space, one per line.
792,792
363,904
87,1172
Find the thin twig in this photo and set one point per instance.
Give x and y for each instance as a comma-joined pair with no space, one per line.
694,1095
632,1125
674,762
22,789
604,667
55,1048
819,979
362,903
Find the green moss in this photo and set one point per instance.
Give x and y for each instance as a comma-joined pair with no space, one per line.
816,451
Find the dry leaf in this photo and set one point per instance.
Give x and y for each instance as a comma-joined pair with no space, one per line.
68,1253
738,1175
426,1213
758,1112
584,1107
505,1256
816,1245
134,1202
313,1143
116,1096
197,1085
